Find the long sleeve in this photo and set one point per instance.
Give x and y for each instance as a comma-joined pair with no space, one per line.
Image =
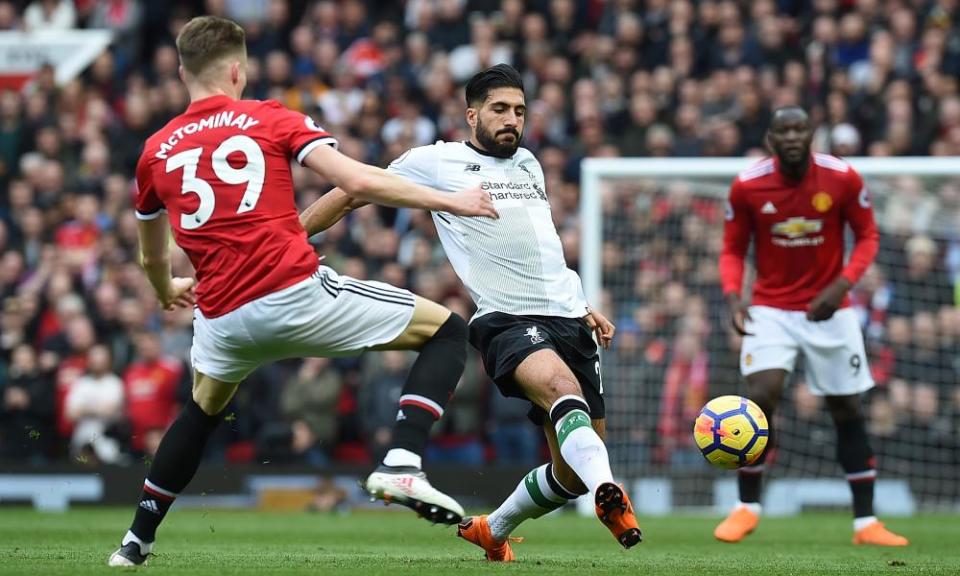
737,229
859,214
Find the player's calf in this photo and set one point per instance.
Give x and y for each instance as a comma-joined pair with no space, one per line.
172,469
429,386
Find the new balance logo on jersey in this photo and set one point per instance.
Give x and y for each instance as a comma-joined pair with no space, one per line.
768,208
150,505
471,168
534,334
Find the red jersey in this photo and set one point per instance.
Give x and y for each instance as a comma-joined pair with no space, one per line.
797,229
150,390
222,172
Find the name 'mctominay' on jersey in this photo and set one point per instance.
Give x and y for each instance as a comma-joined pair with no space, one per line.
221,171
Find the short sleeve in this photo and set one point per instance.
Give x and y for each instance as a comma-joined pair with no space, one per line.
857,190
147,204
419,165
299,133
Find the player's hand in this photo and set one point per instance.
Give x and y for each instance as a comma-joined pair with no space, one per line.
828,300
602,327
473,202
180,294
739,314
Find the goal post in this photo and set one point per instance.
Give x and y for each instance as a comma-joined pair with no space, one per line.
650,236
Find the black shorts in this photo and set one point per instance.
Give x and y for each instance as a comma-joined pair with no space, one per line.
504,341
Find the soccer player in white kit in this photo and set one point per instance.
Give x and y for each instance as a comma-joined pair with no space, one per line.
533,326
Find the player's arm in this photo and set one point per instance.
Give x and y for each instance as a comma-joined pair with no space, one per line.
328,210
858,212
155,259
365,183
737,229
153,228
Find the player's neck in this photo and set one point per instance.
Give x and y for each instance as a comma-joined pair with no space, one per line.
200,92
794,172
475,145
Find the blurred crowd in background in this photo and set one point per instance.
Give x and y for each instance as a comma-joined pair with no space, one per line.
93,371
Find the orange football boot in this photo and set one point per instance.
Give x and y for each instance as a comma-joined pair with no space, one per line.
476,530
737,525
875,534
616,512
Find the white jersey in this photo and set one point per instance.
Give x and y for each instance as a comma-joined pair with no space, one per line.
513,264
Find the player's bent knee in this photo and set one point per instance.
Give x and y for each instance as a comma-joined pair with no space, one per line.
454,328
600,427
212,395
844,408
568,478
428,317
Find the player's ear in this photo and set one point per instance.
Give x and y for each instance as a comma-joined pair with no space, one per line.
472,117
235,72
182,74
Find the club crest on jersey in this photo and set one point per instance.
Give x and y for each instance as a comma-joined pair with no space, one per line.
822,202
797,227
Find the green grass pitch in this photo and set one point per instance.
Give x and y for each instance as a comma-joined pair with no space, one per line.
393,543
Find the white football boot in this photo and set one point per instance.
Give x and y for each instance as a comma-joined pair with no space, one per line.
409,486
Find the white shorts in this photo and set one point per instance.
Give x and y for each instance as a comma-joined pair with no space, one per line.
322,316
836,362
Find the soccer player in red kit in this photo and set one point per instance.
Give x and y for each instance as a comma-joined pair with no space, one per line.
219,174
795,206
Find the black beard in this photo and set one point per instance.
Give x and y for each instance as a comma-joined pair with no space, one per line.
501,150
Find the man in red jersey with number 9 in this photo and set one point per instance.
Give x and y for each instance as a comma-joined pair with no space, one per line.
219,175
795,206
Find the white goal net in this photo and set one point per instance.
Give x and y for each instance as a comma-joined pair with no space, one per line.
651,235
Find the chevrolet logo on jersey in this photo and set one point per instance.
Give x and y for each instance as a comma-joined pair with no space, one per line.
797,227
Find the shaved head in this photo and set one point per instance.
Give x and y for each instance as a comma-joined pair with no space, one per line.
791,114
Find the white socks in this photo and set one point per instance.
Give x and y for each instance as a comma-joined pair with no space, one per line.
129,537
581,447
538,494
401,457
754,507
861,523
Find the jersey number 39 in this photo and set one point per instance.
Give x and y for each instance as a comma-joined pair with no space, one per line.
252,174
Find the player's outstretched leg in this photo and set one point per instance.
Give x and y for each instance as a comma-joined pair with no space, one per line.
856,457
441,338
539,493
174,465
766,388
611,502
577,450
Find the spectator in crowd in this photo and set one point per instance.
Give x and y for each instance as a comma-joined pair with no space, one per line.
308,429
152,384
26,409
924,285
94,406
